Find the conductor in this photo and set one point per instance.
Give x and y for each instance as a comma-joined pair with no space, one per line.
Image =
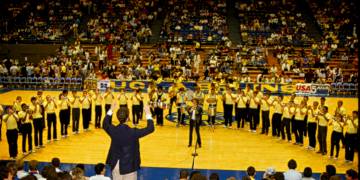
195,113
124,154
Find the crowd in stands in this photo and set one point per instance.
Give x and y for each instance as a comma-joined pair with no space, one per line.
53,171
201,21
272,23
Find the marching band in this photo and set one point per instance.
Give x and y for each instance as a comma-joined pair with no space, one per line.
287,118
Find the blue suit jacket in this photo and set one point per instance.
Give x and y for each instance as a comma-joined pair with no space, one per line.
125,145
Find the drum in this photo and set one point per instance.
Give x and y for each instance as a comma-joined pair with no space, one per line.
212,110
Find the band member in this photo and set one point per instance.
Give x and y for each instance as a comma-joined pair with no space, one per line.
152,99
259,97
180,101
300,112
277,115
248,93
1,115
265,113
50,108
75,102
240,111
195,113
212,102
292,123
342,111
98,107
109,97
306,100
323,118
37,122
136,107
11,120
351,140
123,100
40,99
17,104
64,115
160,106
86,109
199,96
312,124
228,99
254,116
338,125
288,112
172,95
141,110
26,129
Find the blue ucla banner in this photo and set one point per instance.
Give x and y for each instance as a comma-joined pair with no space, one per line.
204,86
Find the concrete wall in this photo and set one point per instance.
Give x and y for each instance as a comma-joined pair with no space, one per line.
33,52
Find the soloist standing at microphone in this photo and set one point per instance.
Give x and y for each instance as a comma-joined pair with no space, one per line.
195,113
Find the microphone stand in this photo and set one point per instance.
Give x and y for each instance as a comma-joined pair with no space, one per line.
194,154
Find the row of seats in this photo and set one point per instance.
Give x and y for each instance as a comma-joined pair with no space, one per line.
74,83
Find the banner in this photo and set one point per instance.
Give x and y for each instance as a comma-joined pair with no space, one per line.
103,84
312,89
274,89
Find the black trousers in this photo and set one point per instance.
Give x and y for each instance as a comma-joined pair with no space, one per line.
181,115
254,118
136,113
265,121
107,107
211,120
276,124
51,122
299,131
12,137
322,134
75,119
228,108
172,101
86,114
305,125
285,124
197,130
159,114
141,109
38,131
335,142
26,131
0,127
350,145
240,116
312,134
292,124
64,121
98,114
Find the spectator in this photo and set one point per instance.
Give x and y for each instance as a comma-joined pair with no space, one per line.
351,175
279,176
184,174
307,175
56,163
33,169
100,172
11,166
251,172
269,173
214,176
292,174
49,172
330,170
20,170
76,173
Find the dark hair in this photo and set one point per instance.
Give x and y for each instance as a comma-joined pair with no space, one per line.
307,172
198,176
278,176
33,99
29,177
292,164
99,168
331,170
4,172
193,173
81,166
33,165
250,171
322,98
64,176
55,162
49,172
352,173
326,108
184,173
245,178
324,176
122,114
11,166
214,176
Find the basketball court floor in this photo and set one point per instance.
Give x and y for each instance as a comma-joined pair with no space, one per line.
223,149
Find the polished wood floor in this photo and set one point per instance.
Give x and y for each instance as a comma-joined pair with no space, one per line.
227,149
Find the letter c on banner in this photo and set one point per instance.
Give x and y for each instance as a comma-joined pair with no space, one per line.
137,84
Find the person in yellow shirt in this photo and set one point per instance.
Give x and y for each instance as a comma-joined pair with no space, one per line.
109,98
351,140
75,102
160,102
86,110
254,115
228,99
277,115
180,101
136,107
64,115
288,112
265,113
17,104
50,108
212,102
1,114
38,124
172,96
11,120
98,108
299,118
323,121
26,128
123,100
338,125
312,124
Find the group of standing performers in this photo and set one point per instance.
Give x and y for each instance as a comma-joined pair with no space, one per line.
296,117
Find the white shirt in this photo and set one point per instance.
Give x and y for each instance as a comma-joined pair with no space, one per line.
99,177
20,174
292,174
